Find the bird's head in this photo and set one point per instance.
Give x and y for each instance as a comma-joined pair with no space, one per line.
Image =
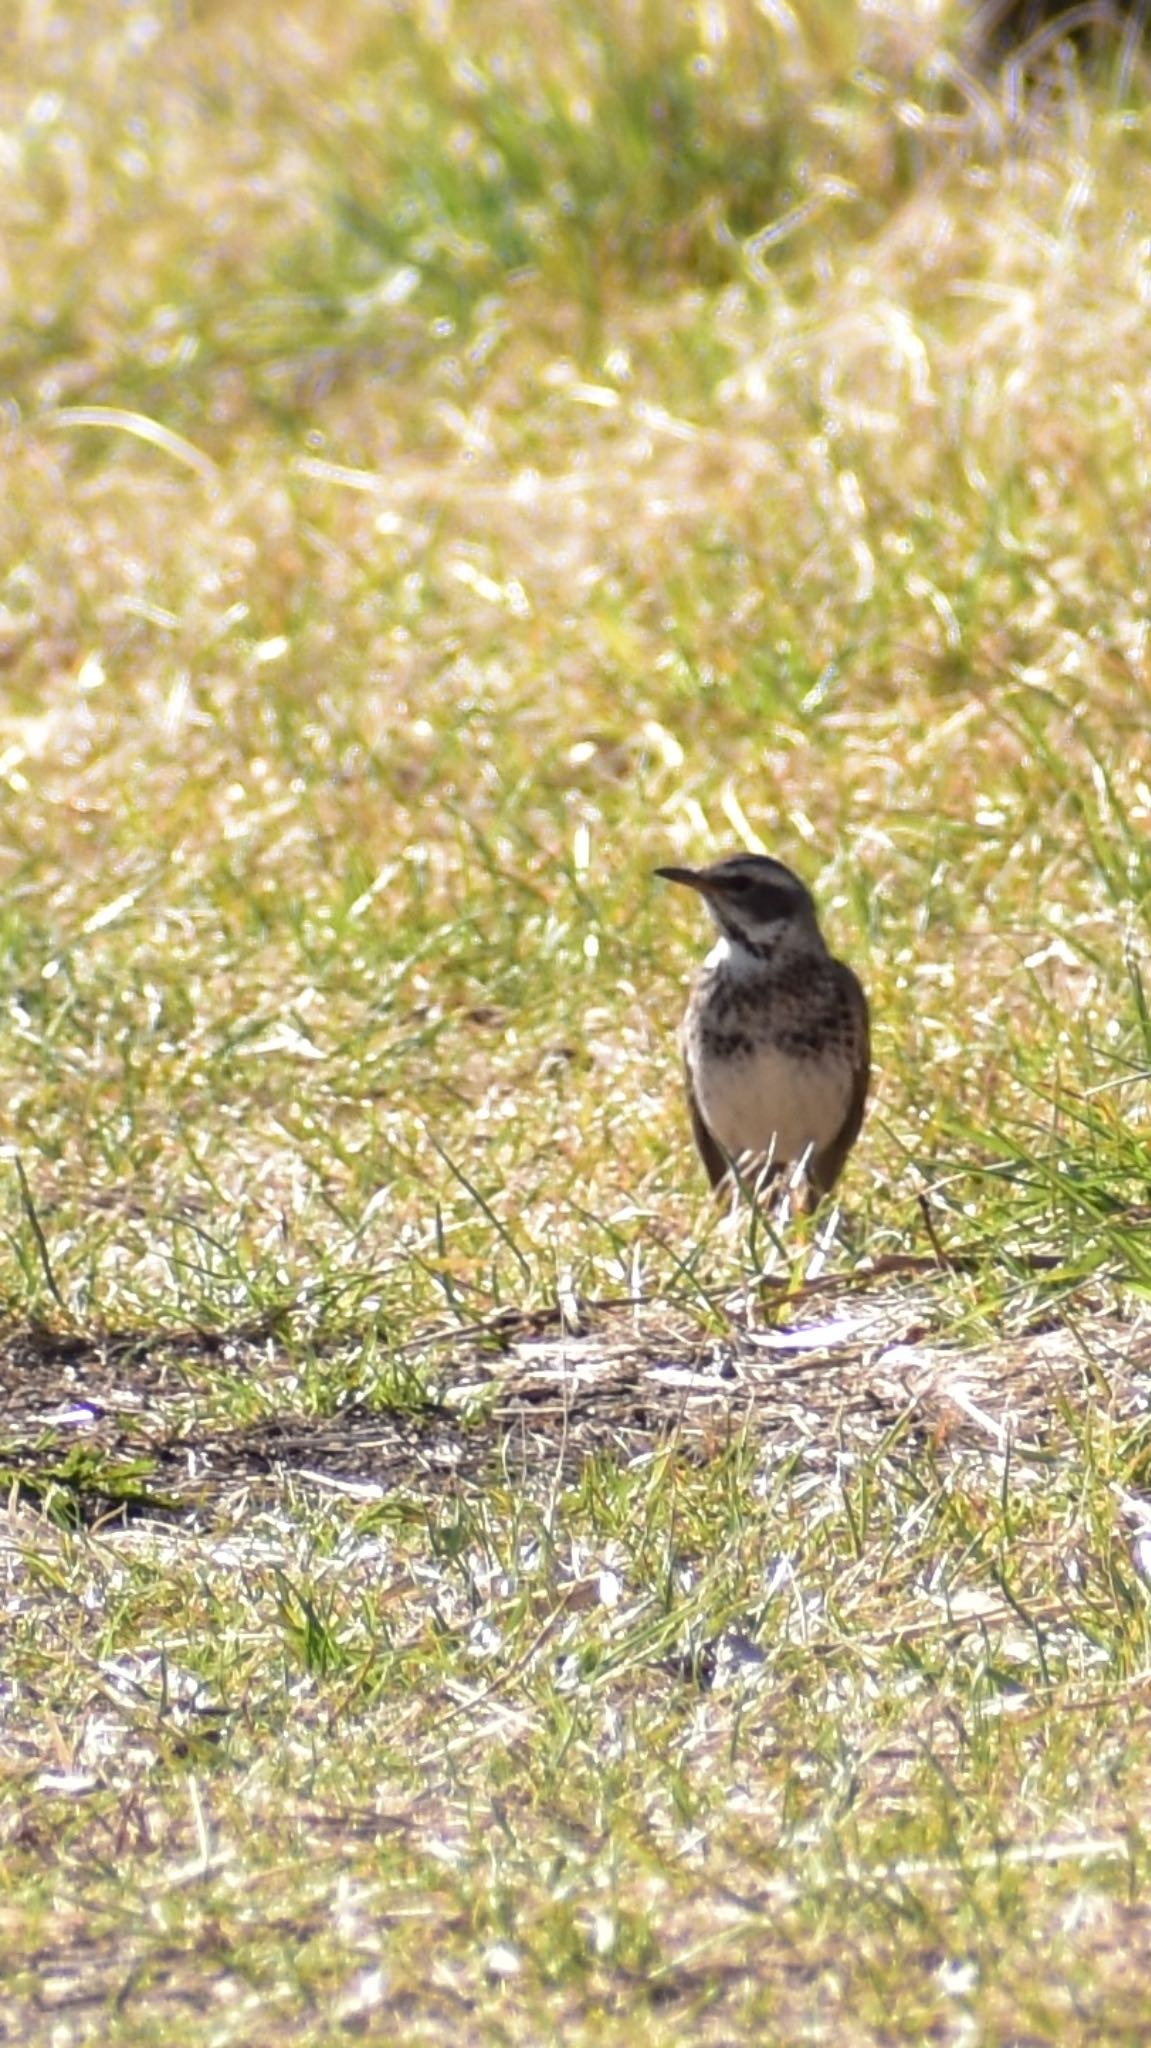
757,902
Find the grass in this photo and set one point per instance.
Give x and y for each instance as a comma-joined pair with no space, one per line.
456,461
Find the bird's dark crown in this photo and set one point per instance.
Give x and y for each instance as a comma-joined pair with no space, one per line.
752,898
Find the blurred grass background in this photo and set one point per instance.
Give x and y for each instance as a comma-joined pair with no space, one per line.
455,459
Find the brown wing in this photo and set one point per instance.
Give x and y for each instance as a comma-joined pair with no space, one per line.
827,1165
710,1151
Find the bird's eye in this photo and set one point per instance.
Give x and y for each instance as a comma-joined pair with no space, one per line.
740,882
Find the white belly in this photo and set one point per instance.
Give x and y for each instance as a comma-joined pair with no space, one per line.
767,1103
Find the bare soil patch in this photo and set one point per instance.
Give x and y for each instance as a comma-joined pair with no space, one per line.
111,1422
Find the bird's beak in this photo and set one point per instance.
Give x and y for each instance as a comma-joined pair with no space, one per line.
690,877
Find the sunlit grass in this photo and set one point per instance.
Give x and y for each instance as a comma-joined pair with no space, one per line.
456,460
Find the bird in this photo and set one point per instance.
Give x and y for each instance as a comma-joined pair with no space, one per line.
776,1037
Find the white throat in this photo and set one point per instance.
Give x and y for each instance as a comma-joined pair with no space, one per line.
734,959
789,936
